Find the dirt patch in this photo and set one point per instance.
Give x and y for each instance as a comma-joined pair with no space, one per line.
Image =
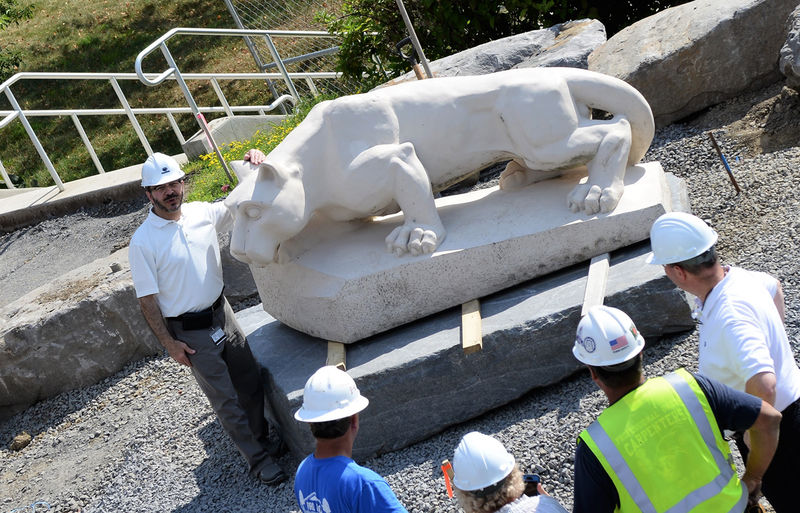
760,122
75,290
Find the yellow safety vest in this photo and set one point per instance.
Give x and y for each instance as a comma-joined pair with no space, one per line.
662,448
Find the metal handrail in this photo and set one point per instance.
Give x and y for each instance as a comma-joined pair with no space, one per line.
172,70
18,113
152,79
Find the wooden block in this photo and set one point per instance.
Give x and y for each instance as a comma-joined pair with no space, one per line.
336,355
596,282
471,330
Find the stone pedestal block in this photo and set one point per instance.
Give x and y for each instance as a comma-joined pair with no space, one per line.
343,285
418,379
227,130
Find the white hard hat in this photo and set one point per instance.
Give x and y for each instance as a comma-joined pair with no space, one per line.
159,169
480,461
330,394
606,336
678,236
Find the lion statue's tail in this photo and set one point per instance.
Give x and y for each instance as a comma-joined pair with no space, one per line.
617,97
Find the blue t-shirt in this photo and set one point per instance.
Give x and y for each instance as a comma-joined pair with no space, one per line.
594,491
339,485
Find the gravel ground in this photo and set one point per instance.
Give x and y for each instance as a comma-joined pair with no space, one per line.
145,439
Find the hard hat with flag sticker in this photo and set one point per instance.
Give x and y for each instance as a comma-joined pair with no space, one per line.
606,336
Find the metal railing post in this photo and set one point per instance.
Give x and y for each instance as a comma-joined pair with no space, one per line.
34,140
5,176
221,97
176,128
311,86
131,116
278,62
87,143
251,47
201,120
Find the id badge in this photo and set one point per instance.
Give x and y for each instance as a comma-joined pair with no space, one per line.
218,336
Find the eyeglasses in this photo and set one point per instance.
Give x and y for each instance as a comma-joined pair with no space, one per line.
164,186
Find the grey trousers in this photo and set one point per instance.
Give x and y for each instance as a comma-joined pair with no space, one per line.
228,376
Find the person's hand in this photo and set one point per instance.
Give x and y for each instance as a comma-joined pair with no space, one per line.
180,352
753,485
255,156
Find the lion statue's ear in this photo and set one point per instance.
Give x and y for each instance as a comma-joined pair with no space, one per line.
243,169
269,173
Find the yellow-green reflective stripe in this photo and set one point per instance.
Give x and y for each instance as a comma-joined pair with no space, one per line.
692,499
621,468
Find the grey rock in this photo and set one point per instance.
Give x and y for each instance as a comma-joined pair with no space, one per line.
566,44
790,51
71,332
419,371
689,57
81,328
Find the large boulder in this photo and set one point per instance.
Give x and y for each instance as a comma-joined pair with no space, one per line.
689,57
83,327
790,52
566,44
75,331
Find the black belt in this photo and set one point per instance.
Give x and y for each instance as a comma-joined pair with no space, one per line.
198,320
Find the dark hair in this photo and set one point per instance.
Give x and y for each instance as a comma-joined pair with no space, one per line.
330,429
621,375
701,262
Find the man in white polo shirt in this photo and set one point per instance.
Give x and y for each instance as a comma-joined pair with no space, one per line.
177,273
743,341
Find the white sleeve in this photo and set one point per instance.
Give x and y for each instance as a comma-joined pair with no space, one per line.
143,270
223,219
769,282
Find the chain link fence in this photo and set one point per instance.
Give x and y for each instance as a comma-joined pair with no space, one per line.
299,54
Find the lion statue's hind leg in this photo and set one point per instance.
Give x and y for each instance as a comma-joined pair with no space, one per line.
606,170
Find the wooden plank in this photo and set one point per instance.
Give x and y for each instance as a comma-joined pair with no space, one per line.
336,355
471,330
596,282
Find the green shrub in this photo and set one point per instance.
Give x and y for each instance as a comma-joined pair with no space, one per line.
373,27
206,178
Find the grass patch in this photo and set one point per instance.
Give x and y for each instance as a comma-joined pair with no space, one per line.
106,36
206,178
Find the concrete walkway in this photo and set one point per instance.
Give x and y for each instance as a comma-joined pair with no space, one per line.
22,207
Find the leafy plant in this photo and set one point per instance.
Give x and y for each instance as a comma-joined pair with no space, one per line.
11,11
373,27
207,180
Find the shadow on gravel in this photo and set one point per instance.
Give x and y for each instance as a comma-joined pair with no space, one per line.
65,408
225,485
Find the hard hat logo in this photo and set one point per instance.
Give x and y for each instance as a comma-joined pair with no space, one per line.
587,343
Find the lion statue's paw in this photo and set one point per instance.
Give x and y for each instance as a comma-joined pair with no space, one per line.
592,199
414,239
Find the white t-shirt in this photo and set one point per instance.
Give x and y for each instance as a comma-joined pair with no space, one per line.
742,334
179,260
535,504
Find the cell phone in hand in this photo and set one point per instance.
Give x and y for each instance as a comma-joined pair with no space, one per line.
531,484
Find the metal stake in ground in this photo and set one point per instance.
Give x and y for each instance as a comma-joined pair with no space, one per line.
724,163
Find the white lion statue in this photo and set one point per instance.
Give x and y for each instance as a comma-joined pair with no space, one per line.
390,149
